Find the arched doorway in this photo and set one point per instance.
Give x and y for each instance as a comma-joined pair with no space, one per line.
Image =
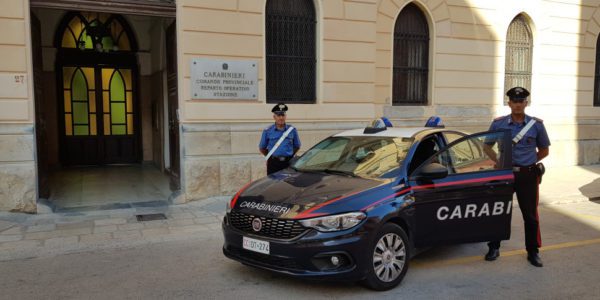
96,69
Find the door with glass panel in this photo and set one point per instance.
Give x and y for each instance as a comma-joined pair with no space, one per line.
99,115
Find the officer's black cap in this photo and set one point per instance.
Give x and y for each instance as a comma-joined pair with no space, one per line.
279,109
517,94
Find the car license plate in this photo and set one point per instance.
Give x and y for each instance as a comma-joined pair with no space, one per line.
256,245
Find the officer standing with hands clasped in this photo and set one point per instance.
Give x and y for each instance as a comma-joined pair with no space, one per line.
530,145
279,142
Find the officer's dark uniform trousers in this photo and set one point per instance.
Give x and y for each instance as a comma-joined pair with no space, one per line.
275,164
527,188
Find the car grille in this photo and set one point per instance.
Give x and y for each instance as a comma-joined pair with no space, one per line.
263,259
273,228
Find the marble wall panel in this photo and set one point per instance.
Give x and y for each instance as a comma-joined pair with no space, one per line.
259,168
589,152
16,148
245,142
201,178
234,174
18,188
207,143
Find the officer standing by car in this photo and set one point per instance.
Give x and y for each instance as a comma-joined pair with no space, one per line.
279,142
530,145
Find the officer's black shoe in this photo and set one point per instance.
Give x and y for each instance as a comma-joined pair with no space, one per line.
535,260
492,254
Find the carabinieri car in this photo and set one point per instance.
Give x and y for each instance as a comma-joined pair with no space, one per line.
359,204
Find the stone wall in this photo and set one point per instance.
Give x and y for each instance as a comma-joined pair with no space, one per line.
18,188
17,169
221,158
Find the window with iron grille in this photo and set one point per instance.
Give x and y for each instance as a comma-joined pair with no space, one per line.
519,50
290,49
597,75
411,58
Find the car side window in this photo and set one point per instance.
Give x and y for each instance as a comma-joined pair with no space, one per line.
475,154
426,148
452,136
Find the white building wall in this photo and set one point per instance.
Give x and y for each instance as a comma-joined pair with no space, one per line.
354,59
17,149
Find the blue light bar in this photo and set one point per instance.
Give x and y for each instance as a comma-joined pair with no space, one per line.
434,121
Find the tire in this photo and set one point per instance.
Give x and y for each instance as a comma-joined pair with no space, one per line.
387,258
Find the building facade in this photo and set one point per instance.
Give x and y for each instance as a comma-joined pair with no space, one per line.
87,83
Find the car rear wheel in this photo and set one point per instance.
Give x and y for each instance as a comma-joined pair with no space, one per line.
388,258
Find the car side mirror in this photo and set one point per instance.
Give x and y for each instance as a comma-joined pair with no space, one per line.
430,171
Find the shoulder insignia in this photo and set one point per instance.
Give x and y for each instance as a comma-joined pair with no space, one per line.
538,119
499,118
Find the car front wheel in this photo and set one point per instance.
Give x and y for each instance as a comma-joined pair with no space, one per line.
388,259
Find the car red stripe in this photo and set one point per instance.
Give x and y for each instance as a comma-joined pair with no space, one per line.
237,195
418,187
386,198
537,216
308,213
501,177
313,215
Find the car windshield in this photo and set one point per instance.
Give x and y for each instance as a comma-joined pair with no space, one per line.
362,156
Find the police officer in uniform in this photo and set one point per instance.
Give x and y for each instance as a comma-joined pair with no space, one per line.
526,152
280,157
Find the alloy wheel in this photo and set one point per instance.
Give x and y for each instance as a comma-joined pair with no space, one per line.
389,257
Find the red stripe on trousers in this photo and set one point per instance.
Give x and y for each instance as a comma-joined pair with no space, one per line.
537,216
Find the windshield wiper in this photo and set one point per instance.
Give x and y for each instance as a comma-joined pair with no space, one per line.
339,172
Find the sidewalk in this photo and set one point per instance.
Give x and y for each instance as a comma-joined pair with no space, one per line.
25,236
570,184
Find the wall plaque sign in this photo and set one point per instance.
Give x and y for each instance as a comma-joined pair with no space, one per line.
224,79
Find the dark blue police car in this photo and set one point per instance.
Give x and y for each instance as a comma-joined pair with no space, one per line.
360,203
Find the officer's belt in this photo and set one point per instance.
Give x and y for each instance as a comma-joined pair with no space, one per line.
524,169
281,158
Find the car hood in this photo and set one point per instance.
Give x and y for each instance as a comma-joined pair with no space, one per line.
288,193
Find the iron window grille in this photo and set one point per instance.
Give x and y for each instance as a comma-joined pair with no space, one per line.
411,58
597,75
519,51
290,49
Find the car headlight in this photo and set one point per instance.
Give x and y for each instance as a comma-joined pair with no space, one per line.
335,222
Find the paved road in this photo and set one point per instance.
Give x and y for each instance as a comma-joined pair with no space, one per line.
196,268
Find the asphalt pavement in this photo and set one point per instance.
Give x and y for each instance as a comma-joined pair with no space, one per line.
195,268
111,254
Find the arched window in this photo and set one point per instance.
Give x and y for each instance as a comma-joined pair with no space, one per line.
597,75
117,101
95,31
290,50
79,101
519,51
411,58
97,74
